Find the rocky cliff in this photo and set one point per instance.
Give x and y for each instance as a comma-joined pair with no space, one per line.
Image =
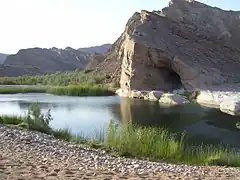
2,57
187,44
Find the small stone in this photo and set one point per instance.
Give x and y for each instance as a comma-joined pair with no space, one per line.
52,174
68,171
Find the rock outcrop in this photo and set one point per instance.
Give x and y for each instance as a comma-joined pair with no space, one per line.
187,44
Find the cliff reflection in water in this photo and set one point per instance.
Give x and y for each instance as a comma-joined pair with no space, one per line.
201,123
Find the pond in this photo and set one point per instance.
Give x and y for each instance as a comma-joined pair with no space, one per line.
90,115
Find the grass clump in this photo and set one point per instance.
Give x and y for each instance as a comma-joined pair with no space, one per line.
80,90
159,144
71,90
15,90
63,134
14,120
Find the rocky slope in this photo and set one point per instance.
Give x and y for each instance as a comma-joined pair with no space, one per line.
186,44
34,61
97,49
2,57
38,61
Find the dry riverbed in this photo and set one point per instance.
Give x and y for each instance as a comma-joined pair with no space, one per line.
32,155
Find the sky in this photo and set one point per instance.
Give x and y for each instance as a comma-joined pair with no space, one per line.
74,23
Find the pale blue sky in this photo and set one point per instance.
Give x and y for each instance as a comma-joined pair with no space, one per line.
75,23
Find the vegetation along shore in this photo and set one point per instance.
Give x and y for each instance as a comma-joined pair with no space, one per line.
133,141
43,152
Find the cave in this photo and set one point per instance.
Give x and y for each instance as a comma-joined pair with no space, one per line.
170,80
175,80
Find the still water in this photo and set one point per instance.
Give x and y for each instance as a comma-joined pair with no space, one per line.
89,115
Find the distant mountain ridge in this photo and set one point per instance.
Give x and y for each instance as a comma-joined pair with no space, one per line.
33,61
97,49
2,57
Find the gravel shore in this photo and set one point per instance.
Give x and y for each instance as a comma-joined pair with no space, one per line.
31,155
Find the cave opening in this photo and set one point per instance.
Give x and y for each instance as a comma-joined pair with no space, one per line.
170,80
175,80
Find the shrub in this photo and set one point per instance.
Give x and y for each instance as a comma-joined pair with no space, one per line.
37,120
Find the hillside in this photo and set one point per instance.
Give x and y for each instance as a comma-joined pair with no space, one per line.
39,61
34,61
97,49
2,57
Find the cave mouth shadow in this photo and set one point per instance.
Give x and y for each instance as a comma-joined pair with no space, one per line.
172,79
175,80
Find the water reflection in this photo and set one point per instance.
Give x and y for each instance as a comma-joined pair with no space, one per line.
152,114
90,114
202,124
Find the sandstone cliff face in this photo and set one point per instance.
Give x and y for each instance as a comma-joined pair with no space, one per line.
186,44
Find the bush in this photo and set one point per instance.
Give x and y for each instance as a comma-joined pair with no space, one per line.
38,121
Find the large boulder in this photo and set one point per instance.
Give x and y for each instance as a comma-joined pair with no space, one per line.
187,44
217,94
230,106
137,94
173,99
153,95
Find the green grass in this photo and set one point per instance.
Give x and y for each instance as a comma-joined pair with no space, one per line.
71,90
14,120
63,134
159,144
134,141
80,90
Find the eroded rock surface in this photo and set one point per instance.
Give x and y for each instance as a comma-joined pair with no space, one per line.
187,44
